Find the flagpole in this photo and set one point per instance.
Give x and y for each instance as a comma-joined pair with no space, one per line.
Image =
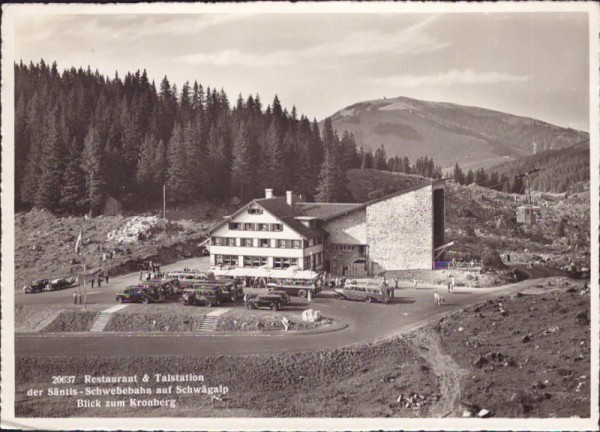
84,287
84,268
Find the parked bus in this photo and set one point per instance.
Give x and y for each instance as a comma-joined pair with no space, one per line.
364,290
187,279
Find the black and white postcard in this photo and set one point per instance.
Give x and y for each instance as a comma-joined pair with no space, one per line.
300,216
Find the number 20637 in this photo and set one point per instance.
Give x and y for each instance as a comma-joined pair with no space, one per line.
60,379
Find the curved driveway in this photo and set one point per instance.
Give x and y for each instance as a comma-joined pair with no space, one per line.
366,322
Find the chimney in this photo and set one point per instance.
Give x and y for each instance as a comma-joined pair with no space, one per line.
268,193
289,198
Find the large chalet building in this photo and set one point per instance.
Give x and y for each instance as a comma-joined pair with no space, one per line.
403,230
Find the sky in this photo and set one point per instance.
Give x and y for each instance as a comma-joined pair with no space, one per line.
530,64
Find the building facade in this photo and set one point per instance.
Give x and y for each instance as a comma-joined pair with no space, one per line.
401,231
268,232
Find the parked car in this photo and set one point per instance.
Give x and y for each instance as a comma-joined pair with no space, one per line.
62,283
285,298
140,294
200,297
35,286
268,301
168,286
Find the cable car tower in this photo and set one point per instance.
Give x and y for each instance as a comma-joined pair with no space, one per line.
528,213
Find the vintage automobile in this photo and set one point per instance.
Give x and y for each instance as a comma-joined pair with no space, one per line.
35,286
169,287
229,291
285,298
62,283
363,290
268,301
39,285
199,297
140,294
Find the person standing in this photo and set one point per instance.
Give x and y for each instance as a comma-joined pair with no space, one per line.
92,283
99,281
106,277
414,283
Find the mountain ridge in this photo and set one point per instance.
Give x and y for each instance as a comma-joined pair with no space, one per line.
472,136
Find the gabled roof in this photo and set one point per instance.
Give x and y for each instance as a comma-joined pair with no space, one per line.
327,211
278,207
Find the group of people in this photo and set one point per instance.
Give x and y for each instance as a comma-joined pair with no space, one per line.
146,276
99,278
255,282
150,266
150,270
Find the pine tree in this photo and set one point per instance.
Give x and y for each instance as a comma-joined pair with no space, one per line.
177,180
131,137
493,181
380,159
51,165
94,171
246,164
22,144
220,153
470,177
167,110
332,178
459,176
349,150
367,162
481,177
35,122
406,168
290,162
73,193
146,175
274,167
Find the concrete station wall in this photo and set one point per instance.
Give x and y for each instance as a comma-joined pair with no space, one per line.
400,231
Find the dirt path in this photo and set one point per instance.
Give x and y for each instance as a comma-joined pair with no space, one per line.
446,369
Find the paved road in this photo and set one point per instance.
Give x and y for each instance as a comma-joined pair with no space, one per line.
366,322
105,294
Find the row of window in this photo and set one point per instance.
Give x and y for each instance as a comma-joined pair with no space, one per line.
255,261
248,226
249,242
313,261
340,247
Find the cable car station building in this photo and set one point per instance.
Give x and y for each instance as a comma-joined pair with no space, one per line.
400,231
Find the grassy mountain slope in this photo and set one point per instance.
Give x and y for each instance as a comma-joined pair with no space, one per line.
565,170
474,137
